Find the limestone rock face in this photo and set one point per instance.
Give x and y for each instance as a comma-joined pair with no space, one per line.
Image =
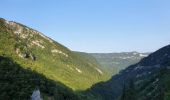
36,95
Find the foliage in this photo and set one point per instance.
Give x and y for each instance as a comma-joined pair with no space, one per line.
18,84
129,92
31,49
37,66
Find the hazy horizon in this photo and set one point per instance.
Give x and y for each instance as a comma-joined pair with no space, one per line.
98,26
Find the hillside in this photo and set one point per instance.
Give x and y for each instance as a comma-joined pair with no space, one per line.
33,50
29,61
146,80
18,83
114,62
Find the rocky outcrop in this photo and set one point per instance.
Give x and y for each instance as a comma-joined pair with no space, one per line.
36,95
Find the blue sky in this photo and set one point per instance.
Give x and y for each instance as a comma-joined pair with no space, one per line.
96,25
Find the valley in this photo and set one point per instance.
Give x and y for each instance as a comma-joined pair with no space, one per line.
113,63
29,60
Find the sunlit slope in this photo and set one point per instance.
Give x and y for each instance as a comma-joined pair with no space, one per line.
32,50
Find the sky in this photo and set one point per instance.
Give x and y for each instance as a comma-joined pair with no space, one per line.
96,26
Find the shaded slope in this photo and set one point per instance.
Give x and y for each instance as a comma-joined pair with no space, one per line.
18,84
147,70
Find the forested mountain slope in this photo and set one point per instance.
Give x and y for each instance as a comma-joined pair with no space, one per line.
33,51
146,80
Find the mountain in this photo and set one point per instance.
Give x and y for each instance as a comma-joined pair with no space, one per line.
146,80
114,62
28,49
30,61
